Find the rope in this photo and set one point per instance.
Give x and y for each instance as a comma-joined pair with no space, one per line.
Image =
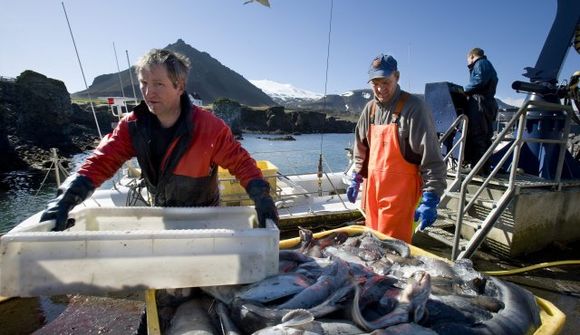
530,268
44,180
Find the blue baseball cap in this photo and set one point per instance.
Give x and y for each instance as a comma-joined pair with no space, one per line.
382,66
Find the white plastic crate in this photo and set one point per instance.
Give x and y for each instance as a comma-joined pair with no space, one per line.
125,248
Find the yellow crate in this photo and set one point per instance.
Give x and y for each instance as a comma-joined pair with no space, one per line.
233,194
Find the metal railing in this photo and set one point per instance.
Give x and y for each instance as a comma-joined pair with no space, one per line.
459,125
514,150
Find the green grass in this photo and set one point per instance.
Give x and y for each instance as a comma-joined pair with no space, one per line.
81,101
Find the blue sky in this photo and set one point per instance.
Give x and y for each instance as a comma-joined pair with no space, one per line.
286,43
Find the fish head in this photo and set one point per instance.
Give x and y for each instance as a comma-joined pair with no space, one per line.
418,288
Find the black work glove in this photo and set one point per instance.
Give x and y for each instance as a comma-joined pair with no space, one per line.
72,192
259,191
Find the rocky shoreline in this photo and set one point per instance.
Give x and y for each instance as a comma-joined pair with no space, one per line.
36,115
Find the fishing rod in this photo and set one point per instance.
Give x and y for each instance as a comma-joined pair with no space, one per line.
82,71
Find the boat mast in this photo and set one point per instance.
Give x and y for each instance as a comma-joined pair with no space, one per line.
131,76
119,73
120,82
82,72
320,169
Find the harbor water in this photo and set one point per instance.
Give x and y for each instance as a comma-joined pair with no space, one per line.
24,194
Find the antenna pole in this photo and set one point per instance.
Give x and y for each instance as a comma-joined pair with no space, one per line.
82,71
120,82
131,76
119,72
320,169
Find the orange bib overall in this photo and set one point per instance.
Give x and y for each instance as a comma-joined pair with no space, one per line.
393,186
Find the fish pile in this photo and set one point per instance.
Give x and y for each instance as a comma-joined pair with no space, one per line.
360,284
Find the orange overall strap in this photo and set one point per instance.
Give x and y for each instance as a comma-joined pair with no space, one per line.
399,106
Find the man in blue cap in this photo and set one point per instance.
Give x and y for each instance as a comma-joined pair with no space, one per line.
397,151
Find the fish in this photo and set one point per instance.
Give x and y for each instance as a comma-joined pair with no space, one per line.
253,316
275,287
331,285
410,307
301,322
314,247
344,254
191,318
520,315
334,277
223,293
228,327
404,329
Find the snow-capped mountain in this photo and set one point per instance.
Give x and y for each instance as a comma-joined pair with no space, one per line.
292,97
286,94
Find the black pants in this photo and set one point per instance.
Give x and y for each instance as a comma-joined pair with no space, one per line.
481,113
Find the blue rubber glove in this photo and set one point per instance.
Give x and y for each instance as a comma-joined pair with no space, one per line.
352,190
427,210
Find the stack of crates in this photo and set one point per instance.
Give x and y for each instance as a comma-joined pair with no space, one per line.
233,194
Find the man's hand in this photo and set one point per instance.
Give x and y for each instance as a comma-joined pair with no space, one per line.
71,193
259,192
427,210
352,190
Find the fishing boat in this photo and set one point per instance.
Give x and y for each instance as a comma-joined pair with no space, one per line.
498,211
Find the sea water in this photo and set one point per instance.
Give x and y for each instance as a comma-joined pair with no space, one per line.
26,194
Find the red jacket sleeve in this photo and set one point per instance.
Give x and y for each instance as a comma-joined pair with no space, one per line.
113,150
224,149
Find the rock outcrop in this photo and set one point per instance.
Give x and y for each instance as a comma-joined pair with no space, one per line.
36,115
277,120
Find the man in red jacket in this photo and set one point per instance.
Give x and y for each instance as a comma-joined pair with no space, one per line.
179,148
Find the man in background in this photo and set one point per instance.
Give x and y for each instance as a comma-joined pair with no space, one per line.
397,151
481,107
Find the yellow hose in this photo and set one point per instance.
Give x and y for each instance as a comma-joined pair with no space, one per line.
530,268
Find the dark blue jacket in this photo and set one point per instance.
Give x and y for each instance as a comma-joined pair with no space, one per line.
482,78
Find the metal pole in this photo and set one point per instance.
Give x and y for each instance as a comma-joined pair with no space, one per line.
131,76
56,165
324,98
82,71
119,73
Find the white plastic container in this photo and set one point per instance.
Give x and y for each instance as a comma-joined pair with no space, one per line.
126,248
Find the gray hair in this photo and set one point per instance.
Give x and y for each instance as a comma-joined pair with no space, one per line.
477,52
176,64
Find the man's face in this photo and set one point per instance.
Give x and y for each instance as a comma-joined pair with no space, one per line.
470,59
161,94
384,88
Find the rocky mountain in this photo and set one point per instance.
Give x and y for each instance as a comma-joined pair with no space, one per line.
350,102
208,77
